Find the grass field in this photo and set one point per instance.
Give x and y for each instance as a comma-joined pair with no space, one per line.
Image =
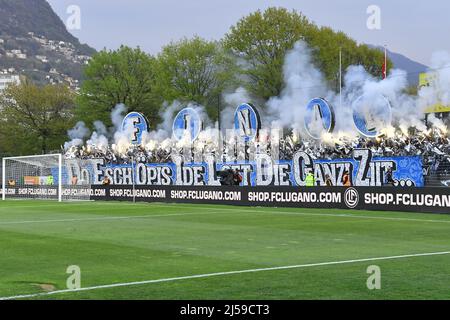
219,252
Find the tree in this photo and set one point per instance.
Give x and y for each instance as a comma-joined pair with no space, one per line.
124,76
262,40
326,43
194,70
34,119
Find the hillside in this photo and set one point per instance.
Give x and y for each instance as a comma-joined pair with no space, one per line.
402,62
35,42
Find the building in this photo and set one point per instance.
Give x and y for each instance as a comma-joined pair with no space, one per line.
6,79
42,58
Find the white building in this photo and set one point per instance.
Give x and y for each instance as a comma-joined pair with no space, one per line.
42,58
6,79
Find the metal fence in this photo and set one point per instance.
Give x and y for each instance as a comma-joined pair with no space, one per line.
437,174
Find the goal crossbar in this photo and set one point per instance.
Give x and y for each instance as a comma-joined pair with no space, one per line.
38,161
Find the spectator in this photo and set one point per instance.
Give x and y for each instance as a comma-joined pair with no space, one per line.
346,181
310,181
328,181
237,178
106,181
50,180
389,180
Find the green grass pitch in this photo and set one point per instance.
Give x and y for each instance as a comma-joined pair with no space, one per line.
120,243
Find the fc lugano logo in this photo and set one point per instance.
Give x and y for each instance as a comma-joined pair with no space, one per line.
351,198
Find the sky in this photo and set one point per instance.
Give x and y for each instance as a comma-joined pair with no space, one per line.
410,27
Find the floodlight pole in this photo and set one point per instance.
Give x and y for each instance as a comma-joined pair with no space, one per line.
340,78
219,127
60,177
133,177
218,112
3,179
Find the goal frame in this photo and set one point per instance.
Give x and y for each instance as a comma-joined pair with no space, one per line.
60,163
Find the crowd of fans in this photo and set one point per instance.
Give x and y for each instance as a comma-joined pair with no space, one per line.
433,146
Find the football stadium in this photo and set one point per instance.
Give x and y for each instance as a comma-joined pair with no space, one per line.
97,224
329,188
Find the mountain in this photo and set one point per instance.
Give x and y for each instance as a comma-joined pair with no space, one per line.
35,42
402,62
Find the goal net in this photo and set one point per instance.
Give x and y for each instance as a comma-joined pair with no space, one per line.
32,177
45,177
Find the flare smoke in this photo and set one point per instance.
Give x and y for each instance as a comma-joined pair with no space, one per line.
302,82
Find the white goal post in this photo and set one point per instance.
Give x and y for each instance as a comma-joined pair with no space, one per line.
33,177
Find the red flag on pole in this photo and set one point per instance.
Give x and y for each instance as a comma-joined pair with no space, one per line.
384,68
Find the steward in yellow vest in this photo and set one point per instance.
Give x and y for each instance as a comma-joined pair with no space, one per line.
310,180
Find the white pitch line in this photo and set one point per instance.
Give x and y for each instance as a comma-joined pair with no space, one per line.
226,273
356,216
106,218
344,215
244,209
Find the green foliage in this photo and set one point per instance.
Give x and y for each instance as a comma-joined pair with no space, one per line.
124,76
194,70
252,54
34,119
262,40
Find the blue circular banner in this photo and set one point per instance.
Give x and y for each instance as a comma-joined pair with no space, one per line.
371,113
319,118
136,122
247,122
187,121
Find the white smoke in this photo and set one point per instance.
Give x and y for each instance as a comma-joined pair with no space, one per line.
303,81
232,101
122,135
99,139
438,91
163,131
117,115
77,134
100,128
